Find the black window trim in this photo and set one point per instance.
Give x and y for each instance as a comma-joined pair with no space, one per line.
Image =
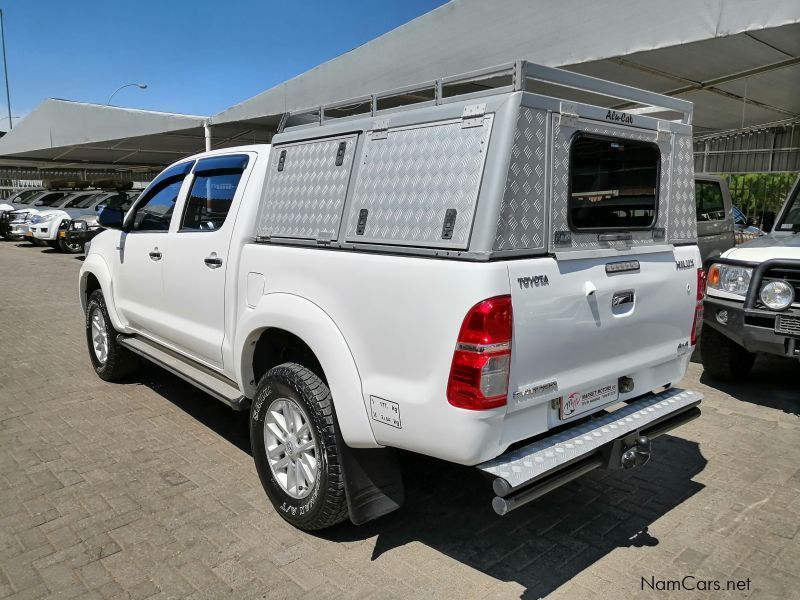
226,164
580,134
164,179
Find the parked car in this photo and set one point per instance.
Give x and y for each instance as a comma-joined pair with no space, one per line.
19,199
47,224
415,278
43,226
715,215
78,232
18,221
15,202
753,302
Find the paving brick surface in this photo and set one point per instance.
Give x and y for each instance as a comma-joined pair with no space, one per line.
146,489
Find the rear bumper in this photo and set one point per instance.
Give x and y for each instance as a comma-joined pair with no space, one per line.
752,329
527,473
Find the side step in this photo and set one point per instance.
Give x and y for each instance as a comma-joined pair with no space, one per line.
531,471
212,383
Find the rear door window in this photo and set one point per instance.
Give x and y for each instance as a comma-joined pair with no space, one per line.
214,186
613,183
708,197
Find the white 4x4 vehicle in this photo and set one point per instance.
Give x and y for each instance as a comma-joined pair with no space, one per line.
753,302
481,277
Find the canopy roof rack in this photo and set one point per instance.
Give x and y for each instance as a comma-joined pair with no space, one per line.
510,77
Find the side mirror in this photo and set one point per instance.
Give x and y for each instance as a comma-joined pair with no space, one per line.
111,218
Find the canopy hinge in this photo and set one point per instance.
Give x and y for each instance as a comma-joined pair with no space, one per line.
381,129
568,115
472,115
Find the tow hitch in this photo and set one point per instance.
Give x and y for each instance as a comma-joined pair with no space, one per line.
615,440
628,452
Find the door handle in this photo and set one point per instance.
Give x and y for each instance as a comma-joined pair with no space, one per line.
213,261
155,254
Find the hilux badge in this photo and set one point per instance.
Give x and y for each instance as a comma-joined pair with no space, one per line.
684,264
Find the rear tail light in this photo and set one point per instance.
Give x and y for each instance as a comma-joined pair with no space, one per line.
698,309
482,359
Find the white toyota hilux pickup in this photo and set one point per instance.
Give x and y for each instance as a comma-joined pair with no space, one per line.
490,276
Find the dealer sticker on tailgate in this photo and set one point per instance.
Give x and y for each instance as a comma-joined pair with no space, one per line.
580,402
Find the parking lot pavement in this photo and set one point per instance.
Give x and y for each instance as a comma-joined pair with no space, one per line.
147,489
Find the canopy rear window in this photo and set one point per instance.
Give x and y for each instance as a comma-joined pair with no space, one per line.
613,183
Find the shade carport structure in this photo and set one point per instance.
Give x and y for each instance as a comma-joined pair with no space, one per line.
64,134
738,61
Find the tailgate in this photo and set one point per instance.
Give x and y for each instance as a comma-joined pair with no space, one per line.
581,324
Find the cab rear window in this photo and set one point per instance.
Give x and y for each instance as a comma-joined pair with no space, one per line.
613,183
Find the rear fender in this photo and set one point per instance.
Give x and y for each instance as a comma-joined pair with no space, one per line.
311,324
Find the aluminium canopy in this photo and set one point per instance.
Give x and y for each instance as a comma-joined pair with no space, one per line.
715,53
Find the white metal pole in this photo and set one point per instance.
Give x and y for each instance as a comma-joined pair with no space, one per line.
207,129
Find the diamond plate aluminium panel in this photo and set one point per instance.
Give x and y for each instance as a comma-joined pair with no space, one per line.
306,199
683,212
521,222
532,461
409,179
562,141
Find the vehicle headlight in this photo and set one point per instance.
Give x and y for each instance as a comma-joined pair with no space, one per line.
47,218
729,278
777,295
79,225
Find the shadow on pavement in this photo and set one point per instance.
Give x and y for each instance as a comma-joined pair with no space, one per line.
448,507
546,543
773,383
209,411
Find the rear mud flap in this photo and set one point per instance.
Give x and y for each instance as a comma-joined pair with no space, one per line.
616,440
373,483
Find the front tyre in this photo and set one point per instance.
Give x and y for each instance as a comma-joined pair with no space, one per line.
293,438
110,360
723,358
70,247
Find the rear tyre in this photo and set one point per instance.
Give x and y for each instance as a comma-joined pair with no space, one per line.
723,358
293,438
70,247
110,360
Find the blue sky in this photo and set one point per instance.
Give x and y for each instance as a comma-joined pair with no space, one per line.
196,57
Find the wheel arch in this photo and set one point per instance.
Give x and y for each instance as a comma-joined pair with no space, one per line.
96,275
285,318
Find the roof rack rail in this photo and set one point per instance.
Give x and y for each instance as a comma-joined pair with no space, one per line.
510,77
